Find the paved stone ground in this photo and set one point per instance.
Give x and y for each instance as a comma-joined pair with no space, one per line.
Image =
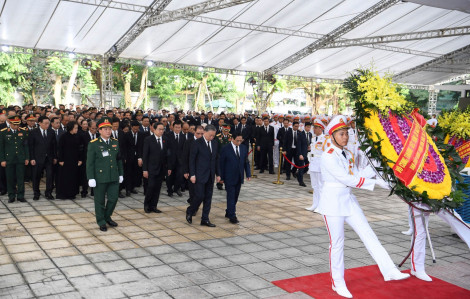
54,249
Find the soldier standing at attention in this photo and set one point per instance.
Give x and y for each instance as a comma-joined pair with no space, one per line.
223,139
14,155
104,172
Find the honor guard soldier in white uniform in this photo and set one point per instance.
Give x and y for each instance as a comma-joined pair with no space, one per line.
338,205
314,158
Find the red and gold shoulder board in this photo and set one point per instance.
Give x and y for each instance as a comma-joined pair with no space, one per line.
331,150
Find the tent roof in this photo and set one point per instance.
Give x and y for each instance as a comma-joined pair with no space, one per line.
95,26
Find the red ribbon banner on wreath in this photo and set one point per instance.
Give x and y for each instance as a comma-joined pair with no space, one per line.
413,154
464,149
306,165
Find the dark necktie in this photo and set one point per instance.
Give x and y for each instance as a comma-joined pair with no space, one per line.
159,144
243,128
44,134
107,142
266,130
344,154
316,138
295,137
209,146
135,138
177,140
238,153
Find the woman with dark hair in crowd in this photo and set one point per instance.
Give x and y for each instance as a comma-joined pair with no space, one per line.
70,154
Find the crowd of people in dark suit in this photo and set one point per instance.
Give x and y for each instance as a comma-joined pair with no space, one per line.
177,152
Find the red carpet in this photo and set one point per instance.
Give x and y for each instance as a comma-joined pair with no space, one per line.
367,282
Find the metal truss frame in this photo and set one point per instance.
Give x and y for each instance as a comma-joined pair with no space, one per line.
193,10
432,102
375,42
154,9
433,63
391,38
333,35
112,4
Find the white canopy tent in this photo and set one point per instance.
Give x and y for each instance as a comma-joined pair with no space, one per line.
316,39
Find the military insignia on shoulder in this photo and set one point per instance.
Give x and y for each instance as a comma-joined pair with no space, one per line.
331,150
20,134
4,129
94,140
112,138
218,134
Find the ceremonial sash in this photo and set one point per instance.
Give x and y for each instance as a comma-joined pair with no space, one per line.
413,154
464,149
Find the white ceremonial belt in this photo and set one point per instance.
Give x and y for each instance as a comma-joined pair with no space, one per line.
334,184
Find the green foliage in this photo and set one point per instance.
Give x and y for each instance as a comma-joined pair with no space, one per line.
13,68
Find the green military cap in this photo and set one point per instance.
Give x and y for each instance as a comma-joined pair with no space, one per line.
103,122
226,126
14,119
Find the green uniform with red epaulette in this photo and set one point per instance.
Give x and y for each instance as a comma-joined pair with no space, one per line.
14,152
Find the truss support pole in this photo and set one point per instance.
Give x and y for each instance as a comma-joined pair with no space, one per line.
432,101
106,84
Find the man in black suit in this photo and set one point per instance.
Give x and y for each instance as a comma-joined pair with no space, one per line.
176,141
265,144
85,138
118,134
156,164
236,126
42,152
203,168
281,133
134,143
295,149
233,164
255,139
245,131
145,126
186,151
58,132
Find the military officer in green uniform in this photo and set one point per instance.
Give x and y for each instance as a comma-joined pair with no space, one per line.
223,139
14,155
104,172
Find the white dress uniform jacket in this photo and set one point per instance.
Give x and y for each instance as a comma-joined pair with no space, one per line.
339,175
314,158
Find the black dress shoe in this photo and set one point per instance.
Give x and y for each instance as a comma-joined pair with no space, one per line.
170,194
220,187
189,200
36,197
179,193
207,223
226,215
133,191
128,193
148,210
234,220
22,200
189,218
121,195
183,190
288,178
271,172
10,200
49,196
302,184
103,228
155,210
83,195
112,223
262,171
3,192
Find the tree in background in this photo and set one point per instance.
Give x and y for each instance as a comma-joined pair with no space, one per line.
263,92
13,70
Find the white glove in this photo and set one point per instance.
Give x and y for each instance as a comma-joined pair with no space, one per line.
121,179
92,183
383,184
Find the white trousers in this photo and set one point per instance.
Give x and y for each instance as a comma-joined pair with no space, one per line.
358,222
315,180
418,254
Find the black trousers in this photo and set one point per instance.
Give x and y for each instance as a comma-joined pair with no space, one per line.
202,194
174,182
3,180
266,158
233,191
257,157
153,190
294,158
83,179
132,174
37,173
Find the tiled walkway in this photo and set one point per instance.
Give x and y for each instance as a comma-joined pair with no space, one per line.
55,249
